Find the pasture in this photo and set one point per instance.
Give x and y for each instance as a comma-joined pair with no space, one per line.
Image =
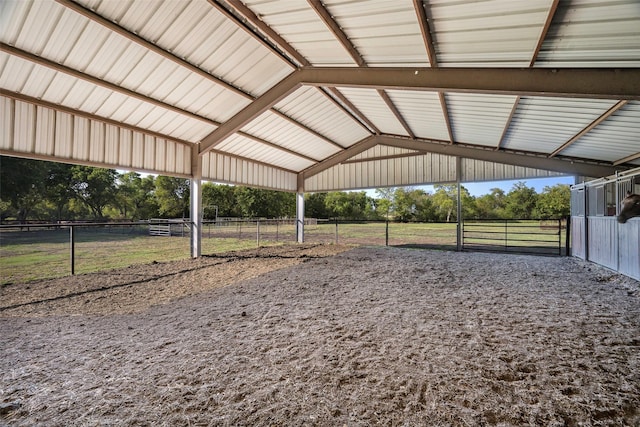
325,335
100,248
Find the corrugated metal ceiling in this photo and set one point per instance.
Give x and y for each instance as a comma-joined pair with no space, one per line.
220,78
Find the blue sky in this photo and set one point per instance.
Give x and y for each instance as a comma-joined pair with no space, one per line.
481,188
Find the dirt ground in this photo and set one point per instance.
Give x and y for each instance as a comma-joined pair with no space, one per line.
325,335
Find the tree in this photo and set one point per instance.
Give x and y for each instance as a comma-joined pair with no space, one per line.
58,189
444,200
219,201
384,203
554,202
350,205
405,203
314,205
135,196
172,196
95,187
520,201
491,206
22,184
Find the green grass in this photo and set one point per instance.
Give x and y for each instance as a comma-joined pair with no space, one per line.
45,253
521,235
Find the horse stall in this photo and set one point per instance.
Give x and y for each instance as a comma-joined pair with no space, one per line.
596,234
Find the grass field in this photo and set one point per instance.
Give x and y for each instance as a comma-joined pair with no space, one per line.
42,254
45,253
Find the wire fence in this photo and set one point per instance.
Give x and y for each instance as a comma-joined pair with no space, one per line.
40,251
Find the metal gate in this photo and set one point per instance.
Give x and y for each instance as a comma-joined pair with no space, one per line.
539,237
596,235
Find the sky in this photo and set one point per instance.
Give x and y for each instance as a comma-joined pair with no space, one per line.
481,188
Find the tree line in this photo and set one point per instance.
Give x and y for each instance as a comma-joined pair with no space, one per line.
32,190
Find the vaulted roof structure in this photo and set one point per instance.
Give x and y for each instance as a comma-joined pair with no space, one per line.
300,95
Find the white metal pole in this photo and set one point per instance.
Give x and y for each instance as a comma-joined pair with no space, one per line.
196,218
300,217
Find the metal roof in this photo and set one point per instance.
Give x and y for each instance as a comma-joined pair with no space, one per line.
302,95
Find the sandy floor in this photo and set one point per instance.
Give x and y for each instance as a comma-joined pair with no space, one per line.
325,336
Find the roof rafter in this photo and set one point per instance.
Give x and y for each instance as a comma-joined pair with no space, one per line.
99,82
247,159
423,21
263,103
80,113
600,83
388,157
357,148
627,159
536,51
342,37
265,29
183,63
111,86
591,125
487,154
341,98
246,13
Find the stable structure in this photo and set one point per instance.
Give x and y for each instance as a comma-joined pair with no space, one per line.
308,96
596,235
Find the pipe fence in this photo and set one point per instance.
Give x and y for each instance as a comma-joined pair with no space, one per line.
38,251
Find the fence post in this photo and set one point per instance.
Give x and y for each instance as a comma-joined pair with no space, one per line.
72,250
567,243
258,233
386,234
506,234
336,231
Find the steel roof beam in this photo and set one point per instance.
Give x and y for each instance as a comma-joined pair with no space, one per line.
627,159
342,37
591,125
423,21
596,83
354,112
99,82
357,148
103,83
568,166
263,103
543,35
267,32
184,63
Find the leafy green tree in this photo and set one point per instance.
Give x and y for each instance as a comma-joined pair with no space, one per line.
135,196
172,196
22,183
249,201
219,200
314,205
58,189
520,201
554,202
425,209
95,187
406,202
444,200
492,205
5,209
469,207
350,205
385,200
